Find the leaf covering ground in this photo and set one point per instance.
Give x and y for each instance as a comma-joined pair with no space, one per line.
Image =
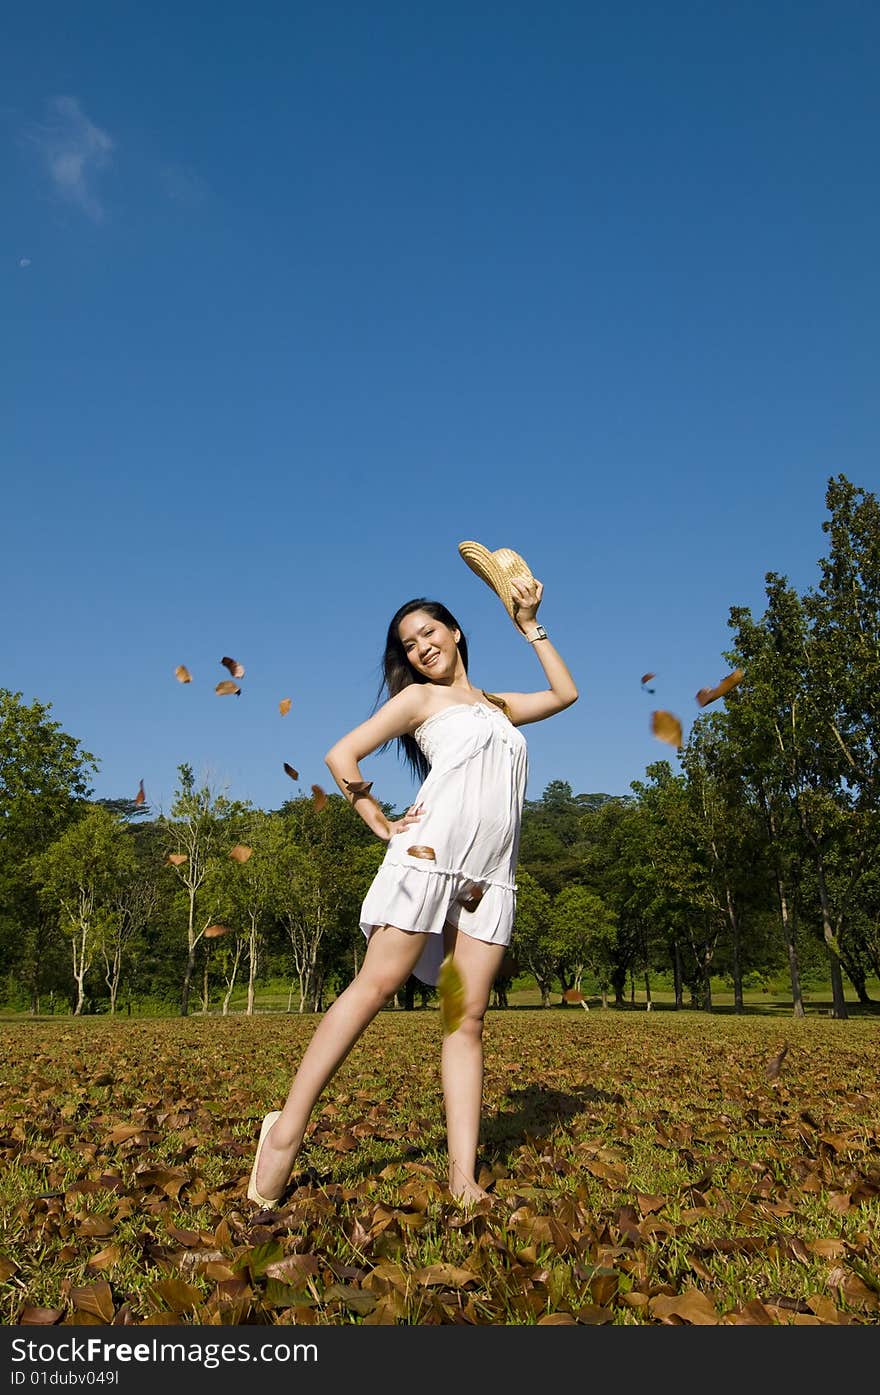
643,1168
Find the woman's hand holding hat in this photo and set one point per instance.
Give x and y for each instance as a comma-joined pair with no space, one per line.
526,593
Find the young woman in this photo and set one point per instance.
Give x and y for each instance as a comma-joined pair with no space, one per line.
446,883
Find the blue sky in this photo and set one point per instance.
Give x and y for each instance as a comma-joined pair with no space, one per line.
296,298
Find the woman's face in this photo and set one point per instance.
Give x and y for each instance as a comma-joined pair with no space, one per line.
430,646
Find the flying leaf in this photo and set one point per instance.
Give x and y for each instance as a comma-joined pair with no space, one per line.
358,787
645,679
177,859
225,686
235,668
573,995
241,852
707,695
421,850
140,796
284,706
182,674
214,930
775,1065
666,727
450,990
289,770
319,798
471,896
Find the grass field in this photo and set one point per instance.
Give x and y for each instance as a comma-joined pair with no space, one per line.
644,1168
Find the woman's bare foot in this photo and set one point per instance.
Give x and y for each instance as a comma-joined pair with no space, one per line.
276,1163
469,1193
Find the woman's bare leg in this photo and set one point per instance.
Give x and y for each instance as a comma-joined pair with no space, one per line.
390,959
462,1059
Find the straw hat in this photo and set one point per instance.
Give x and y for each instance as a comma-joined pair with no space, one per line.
497,569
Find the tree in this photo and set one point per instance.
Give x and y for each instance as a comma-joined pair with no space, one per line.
77,877
532,933
44,779
793,744
583,931
194,833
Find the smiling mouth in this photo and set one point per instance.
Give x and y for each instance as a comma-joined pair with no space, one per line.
432,660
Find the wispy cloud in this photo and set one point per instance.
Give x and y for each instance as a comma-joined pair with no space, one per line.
75,151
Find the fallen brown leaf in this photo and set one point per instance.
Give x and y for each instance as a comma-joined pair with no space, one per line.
319,798
240,853
423,851
213,931
284,706
96,1299
289,770
39,1317
182,674
140,796
645,679
176,859
691,1306
226,686
235,668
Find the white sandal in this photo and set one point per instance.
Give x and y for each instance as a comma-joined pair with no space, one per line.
252,1193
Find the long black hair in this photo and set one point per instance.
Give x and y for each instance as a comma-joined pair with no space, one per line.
398,672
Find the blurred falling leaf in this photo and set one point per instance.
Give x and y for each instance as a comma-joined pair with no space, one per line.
284,706
235,668
289,770
319,798
666,727
471,896
421,850
225,686
177,859
707,695
645,679
573,995
140,796
214,930
775,1065
182,674
241,852
450,990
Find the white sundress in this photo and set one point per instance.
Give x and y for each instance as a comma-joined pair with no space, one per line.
473,798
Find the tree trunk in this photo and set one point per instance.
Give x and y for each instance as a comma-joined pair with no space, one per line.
618,983
735,951
252,970
838,1000
677,975
794,973
187,980
648,1004
789,926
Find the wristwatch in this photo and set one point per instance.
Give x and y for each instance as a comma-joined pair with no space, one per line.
540,633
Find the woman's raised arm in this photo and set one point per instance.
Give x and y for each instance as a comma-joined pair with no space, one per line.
534,707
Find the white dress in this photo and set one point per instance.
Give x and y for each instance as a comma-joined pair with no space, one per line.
473,798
